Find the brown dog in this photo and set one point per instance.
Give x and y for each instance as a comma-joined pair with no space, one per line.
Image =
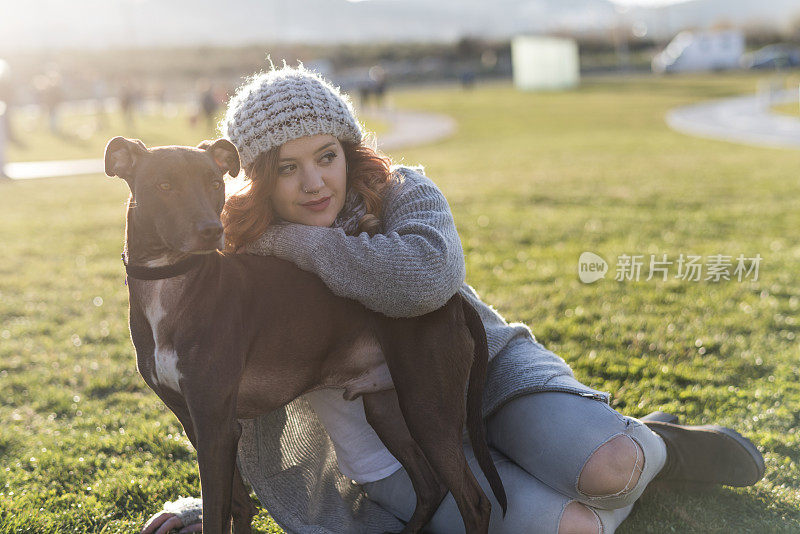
221,337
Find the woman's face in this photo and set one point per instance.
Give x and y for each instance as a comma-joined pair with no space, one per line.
312,180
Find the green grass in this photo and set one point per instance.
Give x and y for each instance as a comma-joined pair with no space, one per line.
792,108
533,181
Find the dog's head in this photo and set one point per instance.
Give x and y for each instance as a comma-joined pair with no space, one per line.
178,192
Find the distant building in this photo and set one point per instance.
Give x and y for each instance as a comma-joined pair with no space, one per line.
544,63
701,51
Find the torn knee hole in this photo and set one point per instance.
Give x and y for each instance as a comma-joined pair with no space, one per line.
612,469
578,518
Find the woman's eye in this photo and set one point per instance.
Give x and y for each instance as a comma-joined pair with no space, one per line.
164,186
216,184
330,156
286,169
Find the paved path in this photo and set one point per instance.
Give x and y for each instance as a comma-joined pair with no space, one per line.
413,128
45,169
406,128
745,119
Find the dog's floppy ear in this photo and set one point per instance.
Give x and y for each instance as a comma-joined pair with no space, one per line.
224,154
122,155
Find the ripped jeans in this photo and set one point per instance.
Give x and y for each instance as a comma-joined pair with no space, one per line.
540,443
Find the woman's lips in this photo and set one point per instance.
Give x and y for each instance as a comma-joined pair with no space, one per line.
318,205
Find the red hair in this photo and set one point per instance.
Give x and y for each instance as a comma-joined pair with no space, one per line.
247,214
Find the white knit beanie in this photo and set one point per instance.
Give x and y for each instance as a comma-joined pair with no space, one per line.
279,105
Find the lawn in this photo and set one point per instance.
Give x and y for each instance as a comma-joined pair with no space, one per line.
533,180
792,108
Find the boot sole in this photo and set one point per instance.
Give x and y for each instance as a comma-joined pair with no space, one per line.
749,446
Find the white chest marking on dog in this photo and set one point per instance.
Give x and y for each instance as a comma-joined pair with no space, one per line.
166,359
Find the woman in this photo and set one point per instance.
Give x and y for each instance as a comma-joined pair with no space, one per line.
385,237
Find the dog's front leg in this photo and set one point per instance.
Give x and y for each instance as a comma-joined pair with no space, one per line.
243,508
217,432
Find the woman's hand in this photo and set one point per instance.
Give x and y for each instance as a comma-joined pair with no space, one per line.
164,522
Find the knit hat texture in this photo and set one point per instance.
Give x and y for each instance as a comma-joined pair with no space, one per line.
283,104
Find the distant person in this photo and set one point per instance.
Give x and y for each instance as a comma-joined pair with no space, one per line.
3,140
8,98
468,79
380,92
384,235
209,105
50,95
379,83
364,93
159,94
99,95
128,103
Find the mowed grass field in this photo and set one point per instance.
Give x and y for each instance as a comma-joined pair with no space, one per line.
791,108
533,180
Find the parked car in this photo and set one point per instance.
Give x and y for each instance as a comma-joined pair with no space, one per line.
774,56
701,51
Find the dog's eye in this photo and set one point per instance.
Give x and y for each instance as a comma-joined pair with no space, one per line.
216,184
164,186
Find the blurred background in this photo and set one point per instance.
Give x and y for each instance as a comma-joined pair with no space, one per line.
68,69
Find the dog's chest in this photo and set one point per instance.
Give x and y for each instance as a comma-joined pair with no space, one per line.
157,304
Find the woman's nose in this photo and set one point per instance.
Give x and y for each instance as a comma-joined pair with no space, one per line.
312,181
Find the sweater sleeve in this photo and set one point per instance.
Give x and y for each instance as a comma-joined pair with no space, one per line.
414,267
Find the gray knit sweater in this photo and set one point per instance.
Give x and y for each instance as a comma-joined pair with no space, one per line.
413,266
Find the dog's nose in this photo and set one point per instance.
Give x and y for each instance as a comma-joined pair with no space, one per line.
210,230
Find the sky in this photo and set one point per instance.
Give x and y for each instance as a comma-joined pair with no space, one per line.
99,24
647,3
628,2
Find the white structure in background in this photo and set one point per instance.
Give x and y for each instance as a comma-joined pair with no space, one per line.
544,63
701,51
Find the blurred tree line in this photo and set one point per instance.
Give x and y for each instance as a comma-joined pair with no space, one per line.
170,72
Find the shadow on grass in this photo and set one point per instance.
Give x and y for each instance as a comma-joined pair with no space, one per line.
708,510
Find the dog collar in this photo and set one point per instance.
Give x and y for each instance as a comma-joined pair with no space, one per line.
166,271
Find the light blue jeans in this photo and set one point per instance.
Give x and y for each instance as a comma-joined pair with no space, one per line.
539,443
